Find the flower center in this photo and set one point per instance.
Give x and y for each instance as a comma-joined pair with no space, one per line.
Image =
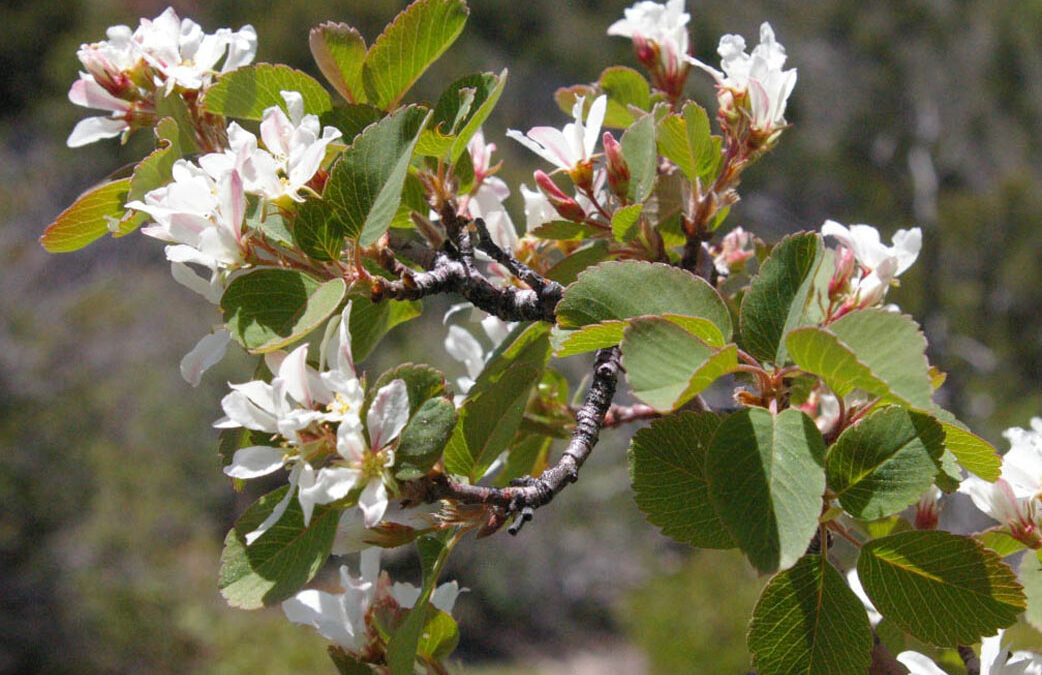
340,405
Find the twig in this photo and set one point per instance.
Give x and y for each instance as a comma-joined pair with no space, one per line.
618,415
526,495
970,659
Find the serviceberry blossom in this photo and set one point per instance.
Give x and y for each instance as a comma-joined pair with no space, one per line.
294,146
125,72
736,248
486,200
995,659
344,617
659,34
538,209
866,267
874,617
300,405
752,85
570,148
1014,499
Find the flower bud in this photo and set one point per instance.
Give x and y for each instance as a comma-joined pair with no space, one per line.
618,171
840,281
566,207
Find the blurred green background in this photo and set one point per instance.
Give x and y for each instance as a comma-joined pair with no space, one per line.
906,112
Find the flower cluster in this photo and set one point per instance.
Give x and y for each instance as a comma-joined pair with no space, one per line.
995,659
753,89
660,40
126,72
865,267
201,212
1014,500
301,406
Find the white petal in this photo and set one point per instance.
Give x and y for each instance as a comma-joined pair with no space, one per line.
255,461
388,414
206,353
919,664
279,509
444,596
94,129
405,594
325,613
463,347
373,502
593,124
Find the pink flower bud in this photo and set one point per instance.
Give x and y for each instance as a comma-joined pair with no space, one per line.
568,208
840,281
618,171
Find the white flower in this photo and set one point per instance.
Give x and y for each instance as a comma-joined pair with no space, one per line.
919,664
370,460
758,75
292,154
462,346
443,597
665,25
124,71
879,264
182,54
340,617
995,659
487,204
573,145
397,526
1022,465
201,211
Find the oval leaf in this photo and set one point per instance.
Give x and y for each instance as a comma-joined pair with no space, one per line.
668,366
339,51
766,481
88,218
267,309
638,149
667,467
282,560
423,438
248,91
625,289
809,621
778,297
412,42
883,463
365,184
882,352
940,587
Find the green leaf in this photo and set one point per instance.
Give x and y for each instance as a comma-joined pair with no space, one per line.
423,438
942,588
493,409
282,559
347,664
318,231
974,453
408,46
766,481
809,621
370,321
1030,574
624,87
568,342
365,185
1000,542
339,51
624,220
885,462
352,119
88,217
875,350
267,309
670,485
566,270
439,637
638,149
565,97
175,138
777,300
461,122
563,230
247,92
685,140
667,366
625,289
401,648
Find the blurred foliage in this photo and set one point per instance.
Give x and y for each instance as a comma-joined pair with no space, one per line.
923,112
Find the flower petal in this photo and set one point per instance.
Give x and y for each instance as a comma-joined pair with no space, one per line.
255,461
388,414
